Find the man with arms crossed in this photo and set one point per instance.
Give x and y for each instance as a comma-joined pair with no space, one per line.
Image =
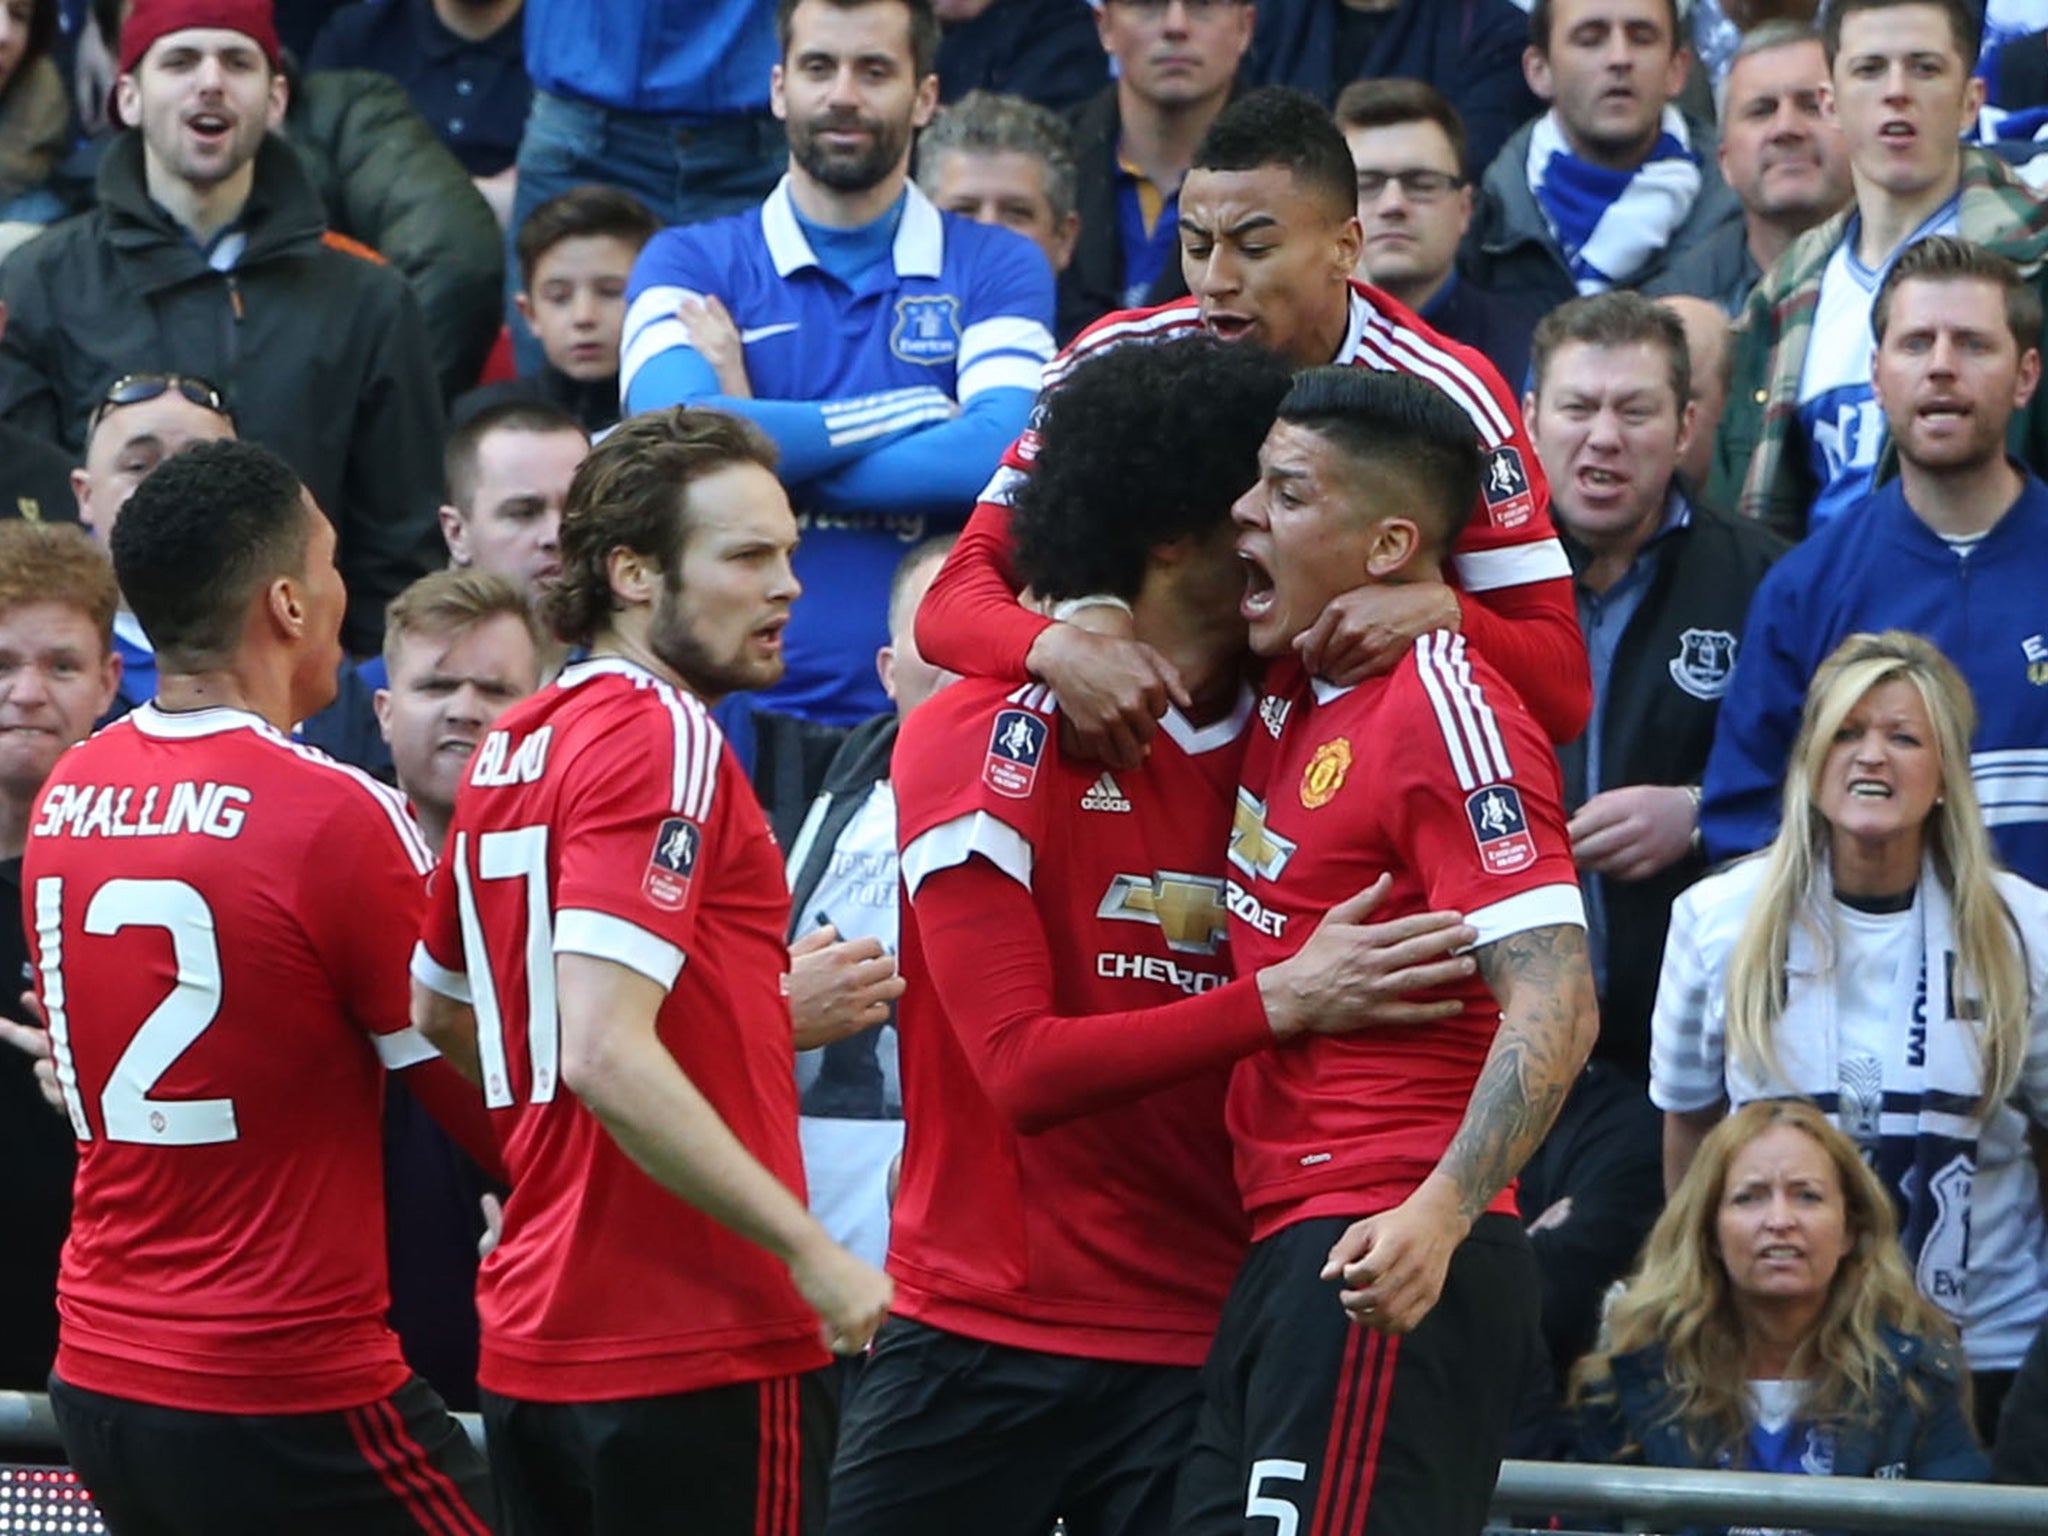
651,1316
1388,1160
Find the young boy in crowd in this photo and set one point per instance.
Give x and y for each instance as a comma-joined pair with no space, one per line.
575,252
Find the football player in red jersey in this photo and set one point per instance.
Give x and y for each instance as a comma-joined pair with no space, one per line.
1067,1227
1269,236
1385,1164
604,953
220,922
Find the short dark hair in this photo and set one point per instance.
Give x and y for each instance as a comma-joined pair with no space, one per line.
199,539
57,563
937,547
1276,125
585,210
1393,102
1140,446
924,28
1965,24
1543,16
465,443
1945,258
633,492
1401,427
1620,317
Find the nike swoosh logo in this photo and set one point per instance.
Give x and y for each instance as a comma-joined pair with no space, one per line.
763,332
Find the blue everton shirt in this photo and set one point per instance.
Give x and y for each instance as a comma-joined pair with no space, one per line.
892,365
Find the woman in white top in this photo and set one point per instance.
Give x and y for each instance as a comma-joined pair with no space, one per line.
1875,960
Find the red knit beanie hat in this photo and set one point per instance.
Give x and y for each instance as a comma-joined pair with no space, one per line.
152,19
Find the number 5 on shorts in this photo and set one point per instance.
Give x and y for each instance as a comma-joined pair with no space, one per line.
1283,1514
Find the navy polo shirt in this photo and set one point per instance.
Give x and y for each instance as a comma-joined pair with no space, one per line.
475,94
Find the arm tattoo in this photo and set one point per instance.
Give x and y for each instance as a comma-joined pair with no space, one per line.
1548,1019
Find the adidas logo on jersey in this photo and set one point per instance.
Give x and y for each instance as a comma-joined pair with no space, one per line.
1103,795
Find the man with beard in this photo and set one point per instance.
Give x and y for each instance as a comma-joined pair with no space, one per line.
651,1318
889,349
208,255
1952,549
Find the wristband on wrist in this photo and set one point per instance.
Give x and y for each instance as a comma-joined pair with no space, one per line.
1064,611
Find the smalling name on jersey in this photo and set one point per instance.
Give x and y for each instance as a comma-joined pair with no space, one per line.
158,810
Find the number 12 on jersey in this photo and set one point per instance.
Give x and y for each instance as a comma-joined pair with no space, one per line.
519,855
173,1026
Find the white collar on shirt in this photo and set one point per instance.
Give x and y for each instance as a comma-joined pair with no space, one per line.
920,249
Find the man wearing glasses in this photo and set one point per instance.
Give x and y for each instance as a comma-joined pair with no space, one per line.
1176,63
1414,206
142,420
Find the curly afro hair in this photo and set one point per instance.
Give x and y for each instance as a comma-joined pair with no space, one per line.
1144,445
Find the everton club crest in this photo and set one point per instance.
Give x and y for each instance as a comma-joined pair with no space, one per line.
1704,663
927,329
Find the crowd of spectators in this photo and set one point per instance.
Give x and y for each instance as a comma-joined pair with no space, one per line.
1766,277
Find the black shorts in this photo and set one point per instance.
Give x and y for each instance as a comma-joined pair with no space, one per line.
948,1436
400,1465
1336,1430
743,1460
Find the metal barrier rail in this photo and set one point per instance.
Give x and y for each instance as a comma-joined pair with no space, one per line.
1647,1498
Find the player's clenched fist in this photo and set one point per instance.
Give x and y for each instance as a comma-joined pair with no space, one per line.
1393,1264
850,1295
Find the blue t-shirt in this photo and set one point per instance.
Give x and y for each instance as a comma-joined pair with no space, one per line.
892,364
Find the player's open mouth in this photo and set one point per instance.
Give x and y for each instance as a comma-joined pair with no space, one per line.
1228,327
1259,591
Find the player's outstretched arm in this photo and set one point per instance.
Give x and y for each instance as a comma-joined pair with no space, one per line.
1393,1264
615,1063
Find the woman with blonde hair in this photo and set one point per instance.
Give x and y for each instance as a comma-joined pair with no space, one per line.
1772,1326
1876,960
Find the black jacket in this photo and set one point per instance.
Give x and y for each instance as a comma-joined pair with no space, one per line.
1663,697
35,479
1093,283
322,354
1046,51
1498,325
1470,50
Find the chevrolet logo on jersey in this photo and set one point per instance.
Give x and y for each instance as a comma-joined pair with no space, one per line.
1252,848
1187,909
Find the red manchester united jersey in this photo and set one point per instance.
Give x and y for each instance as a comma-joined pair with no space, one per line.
1055,1240
605,817
220,920
1436,775
1507,557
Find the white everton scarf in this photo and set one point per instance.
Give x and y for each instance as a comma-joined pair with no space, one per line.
1918,1124
1610,224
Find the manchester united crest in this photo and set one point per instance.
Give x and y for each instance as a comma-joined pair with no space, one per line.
1324,775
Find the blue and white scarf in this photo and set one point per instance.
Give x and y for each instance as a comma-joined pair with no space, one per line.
1917,1121
1611,224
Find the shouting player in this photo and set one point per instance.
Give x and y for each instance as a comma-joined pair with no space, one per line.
1269,236
221,921
1388,1160
1067,1227
604,954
